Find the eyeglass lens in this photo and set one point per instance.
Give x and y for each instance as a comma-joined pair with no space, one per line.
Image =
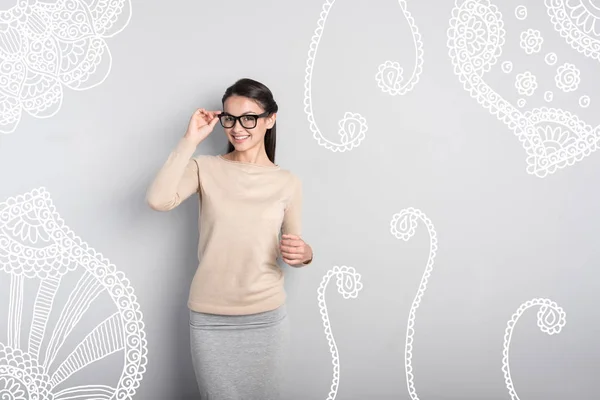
247,121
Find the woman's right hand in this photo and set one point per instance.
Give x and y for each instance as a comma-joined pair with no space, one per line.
201,125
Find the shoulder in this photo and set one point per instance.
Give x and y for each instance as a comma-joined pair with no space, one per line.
292,181
205,160
207,166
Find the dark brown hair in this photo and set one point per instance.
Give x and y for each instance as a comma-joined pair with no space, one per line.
261,94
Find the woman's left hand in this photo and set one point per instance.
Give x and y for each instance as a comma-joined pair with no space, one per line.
294,251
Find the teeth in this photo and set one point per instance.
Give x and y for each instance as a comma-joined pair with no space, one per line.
241,137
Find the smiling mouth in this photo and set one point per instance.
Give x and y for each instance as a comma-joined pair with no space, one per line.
240,138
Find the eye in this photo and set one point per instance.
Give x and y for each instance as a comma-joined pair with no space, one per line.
248,118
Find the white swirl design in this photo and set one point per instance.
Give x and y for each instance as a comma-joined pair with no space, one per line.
584,101
36,244
577,21
389,78
551,58
45,46
476,36
349,284
521,12
389,75
403,226
567,77
550,319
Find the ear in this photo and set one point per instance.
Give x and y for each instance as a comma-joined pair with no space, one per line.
271,120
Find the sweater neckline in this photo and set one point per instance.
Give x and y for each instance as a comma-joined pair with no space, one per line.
244,163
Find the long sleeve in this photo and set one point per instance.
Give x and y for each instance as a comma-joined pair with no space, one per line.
292,218
176,180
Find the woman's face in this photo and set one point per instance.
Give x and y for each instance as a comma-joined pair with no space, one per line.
244,138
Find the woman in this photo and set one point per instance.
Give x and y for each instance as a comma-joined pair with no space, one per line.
238,320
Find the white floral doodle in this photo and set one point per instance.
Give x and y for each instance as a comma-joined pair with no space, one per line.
35,244
567,77
531,41
389,75
403,226
550,319
526,83
521,12
521,103
46,46
476,36
548,96
578,22
349,284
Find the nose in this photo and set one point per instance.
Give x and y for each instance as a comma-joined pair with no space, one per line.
237,127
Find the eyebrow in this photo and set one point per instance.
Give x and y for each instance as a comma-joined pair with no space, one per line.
246,113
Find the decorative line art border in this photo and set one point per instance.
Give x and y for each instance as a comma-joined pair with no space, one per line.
36,244
46,47
390,74
349,285
389,77
577,25
403,226
474,55
550,319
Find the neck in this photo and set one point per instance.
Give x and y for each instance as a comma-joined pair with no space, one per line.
255,155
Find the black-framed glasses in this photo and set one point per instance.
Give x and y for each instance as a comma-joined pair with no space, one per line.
248,121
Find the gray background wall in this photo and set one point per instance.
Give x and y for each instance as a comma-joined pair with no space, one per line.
506,238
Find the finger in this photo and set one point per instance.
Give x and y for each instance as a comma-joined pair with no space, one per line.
291,240
290,262
290,236
290,249
292,243
292,256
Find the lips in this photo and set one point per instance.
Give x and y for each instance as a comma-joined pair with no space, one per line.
240,138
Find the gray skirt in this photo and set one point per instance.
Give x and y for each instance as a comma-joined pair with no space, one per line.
239,357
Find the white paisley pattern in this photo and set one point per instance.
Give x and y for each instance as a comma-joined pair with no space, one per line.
578,22
550,319
389,78
45,46
36,245
474,53
403,226
389,75
349,284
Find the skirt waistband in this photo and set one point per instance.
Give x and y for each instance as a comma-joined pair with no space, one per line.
249,321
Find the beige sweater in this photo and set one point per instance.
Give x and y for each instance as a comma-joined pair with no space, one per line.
243,207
